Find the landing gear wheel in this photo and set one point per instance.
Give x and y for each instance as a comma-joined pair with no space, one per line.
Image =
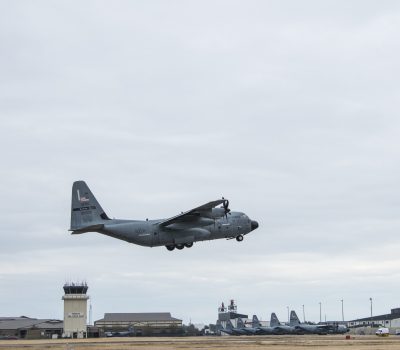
189,245
180,246
170,247
239,238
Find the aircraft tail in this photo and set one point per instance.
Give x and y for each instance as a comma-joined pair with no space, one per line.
274,320
255,322
86,213
240,323
294,320
229,325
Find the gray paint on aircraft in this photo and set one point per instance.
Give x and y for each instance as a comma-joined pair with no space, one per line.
206,222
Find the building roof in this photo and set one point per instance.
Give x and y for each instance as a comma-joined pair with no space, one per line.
138,317
225,316
26,322
395,314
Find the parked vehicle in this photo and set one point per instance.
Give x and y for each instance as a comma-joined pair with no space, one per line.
382,332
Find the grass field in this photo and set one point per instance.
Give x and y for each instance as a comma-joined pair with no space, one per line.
199,343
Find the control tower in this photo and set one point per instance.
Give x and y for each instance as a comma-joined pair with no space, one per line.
75,310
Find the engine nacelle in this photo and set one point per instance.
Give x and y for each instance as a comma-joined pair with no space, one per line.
215,213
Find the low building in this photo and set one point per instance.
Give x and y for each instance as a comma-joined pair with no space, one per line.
30,328
391,320
146,324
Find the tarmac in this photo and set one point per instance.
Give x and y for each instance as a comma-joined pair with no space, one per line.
284,342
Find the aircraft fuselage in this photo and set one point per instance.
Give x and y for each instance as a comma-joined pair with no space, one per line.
149,234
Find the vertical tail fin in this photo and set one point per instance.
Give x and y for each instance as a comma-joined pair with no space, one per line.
240,323
229,325
85,209
294,320
274,320
255,322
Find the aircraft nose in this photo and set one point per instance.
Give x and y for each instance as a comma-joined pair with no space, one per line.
254,225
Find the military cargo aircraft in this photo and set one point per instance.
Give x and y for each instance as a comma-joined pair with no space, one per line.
305,328
206,222
263,330
229,329
337,328
275,327
255,324
241,327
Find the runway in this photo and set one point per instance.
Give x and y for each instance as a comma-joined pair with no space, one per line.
285,342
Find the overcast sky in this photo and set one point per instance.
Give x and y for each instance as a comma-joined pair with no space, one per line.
290,109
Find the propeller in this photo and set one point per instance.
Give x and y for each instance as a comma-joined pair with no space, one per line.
225,205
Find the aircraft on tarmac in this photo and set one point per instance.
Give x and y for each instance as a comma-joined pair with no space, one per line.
255,325
206,222
275,327
229,329
241,327
262,330
129,333
305,328
337,328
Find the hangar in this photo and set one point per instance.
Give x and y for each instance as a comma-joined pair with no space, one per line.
149,323
30,328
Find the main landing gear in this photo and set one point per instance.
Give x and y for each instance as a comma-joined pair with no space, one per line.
239,238
179,246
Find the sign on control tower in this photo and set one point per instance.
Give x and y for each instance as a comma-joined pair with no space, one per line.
75,310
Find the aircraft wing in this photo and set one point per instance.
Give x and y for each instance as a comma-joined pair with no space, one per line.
192,214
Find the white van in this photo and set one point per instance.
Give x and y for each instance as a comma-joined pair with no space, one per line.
382,332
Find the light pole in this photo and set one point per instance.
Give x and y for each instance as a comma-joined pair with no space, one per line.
342,310
288,317
370,299
320,312
304,315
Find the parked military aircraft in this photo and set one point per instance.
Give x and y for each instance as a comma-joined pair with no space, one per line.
275,327
262,329
241,327
229,329
129,333
254,329
206,222
305,328
338,328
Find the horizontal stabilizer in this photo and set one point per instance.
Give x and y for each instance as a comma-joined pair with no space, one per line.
92,228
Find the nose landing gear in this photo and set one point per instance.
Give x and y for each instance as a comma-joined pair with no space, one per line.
239,238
